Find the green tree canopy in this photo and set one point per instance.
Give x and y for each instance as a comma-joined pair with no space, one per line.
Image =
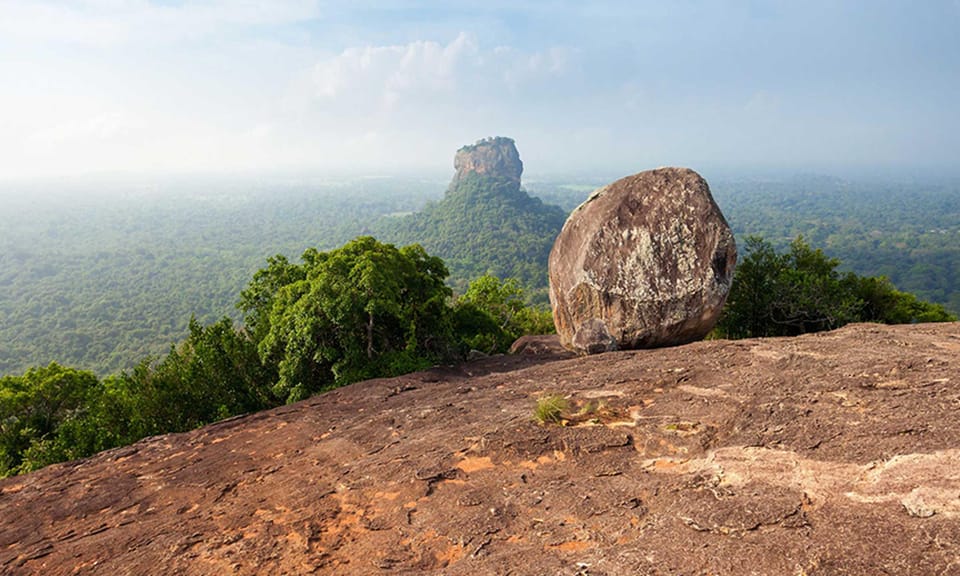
32,408
800,291
53,414
215,373
485,224
366,309
492,313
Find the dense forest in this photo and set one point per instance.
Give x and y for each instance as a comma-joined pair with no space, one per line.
907,232
484,225
363,310
99,277
366,310
103,276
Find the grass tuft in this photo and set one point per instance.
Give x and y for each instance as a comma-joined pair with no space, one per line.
550,409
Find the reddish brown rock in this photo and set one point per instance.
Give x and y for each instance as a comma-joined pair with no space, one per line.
495,156
645,262
536,345
826,454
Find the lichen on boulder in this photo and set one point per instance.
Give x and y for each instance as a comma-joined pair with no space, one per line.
646,261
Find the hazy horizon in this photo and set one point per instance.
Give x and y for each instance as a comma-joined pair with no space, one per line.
294,88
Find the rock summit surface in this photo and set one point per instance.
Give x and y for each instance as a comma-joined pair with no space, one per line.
495,156
826,454
646,261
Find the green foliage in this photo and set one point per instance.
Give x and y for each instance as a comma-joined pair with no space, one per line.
492,313
884,303
257,299
215,373
99,277
800,291
550,409
99,281
54,414
905,230
534,319
364,310
485,225
33,409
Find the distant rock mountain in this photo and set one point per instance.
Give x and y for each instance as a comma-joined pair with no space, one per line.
496,157
486,222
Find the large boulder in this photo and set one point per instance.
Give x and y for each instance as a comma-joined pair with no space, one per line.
646,261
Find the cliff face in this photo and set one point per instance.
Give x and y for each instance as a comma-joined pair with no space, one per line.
831,453
496,157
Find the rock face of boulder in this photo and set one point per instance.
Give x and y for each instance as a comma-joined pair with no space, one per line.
496,156
646,261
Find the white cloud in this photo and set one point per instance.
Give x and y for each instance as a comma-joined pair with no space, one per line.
413,104
375,80
392,71
249,107
518,68
134,85
428,65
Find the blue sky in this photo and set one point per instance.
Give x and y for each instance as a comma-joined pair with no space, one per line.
244,86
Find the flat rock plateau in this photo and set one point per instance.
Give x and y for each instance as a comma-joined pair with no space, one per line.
832,453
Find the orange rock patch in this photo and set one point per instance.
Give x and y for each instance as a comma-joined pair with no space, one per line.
475,464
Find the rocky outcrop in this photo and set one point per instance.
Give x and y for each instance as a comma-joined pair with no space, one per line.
831,453
495,157
486,222
646,261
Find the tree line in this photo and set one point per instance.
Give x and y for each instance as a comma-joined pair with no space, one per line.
364,310
370,309
485,224
100,278
802,290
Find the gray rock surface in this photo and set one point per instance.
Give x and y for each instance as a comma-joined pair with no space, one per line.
646,261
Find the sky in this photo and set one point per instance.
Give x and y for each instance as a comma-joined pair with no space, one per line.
388,86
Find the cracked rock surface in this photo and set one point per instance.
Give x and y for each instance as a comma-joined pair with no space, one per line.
834,453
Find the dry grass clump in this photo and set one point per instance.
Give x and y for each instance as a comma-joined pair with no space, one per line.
557,409
550,409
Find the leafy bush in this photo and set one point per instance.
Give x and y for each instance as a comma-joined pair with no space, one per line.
364,310
370,309
800,291
492,313
36,412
